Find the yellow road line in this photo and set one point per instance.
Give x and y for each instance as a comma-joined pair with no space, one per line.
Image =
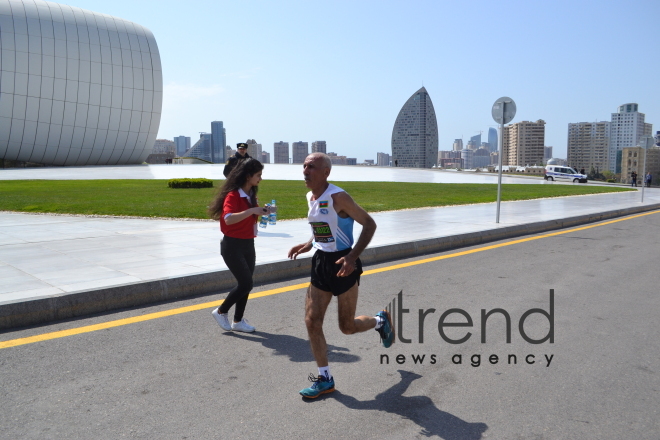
206,305
133,320
495,246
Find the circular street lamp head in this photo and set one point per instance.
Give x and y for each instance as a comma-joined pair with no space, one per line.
504,110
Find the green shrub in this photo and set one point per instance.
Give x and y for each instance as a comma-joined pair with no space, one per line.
190,183
611,181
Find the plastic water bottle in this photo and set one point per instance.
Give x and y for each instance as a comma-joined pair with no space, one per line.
272,217
264,219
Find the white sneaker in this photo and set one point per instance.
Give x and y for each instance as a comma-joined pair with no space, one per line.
221,319
242,326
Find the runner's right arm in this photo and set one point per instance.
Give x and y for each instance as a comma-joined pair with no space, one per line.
300,249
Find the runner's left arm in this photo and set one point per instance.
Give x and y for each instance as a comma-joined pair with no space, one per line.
344,204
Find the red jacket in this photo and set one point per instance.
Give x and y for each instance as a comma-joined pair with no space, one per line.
235,202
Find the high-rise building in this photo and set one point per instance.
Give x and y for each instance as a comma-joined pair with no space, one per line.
218,141
492,139
265,157
458,145
383,159
481,161
202,148
182,144
481,157
467,156
254,149
523,142
415,133
648,129
450,159
281,152
474,142
547,154
318,147
588,145
299,151
626,128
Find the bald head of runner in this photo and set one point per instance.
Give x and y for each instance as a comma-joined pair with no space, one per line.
316,170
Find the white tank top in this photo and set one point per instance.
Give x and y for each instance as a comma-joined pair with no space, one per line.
331,232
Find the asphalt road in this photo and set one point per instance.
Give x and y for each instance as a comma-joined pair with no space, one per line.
181,377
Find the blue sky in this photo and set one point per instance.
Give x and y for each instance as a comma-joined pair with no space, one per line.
340,71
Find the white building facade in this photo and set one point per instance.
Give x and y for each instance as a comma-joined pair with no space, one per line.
78,87
626,128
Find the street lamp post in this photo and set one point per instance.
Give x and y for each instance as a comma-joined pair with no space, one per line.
503,112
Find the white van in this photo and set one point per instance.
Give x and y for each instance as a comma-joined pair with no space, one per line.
556,172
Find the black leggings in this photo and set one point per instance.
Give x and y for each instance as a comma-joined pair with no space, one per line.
239,257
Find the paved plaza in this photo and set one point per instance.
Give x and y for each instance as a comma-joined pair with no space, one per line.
44,256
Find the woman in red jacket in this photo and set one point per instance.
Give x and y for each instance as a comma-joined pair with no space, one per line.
238,210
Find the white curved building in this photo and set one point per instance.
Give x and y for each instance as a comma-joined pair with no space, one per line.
76,87
415,133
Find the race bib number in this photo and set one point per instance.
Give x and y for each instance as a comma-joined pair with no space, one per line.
322,233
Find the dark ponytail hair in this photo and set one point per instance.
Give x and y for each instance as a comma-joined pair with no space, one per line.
243,170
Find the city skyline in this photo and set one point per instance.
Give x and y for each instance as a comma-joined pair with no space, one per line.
350,85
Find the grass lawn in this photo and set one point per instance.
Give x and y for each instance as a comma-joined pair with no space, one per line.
152,198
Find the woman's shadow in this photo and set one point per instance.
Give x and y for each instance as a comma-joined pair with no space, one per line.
418,409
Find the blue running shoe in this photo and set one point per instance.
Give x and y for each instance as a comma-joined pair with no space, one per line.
386,330
320,385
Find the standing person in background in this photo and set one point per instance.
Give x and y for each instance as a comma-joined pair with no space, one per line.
241,153
633,176
648,179
237,208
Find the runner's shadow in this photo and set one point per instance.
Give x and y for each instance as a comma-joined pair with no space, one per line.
297,349
418,409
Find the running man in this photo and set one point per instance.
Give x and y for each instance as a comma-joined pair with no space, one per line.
336,268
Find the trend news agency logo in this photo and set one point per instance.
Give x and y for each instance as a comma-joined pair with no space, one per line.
398,312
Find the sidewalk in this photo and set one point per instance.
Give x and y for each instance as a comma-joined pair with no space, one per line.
58,267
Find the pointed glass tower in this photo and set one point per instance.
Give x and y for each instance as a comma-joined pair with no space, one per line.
415,133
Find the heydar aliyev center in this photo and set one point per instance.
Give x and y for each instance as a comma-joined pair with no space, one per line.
76,87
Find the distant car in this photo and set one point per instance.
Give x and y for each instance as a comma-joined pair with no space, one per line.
556,172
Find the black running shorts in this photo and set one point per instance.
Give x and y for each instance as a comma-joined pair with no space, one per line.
324,272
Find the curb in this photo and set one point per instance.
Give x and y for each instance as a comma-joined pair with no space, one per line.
83,303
